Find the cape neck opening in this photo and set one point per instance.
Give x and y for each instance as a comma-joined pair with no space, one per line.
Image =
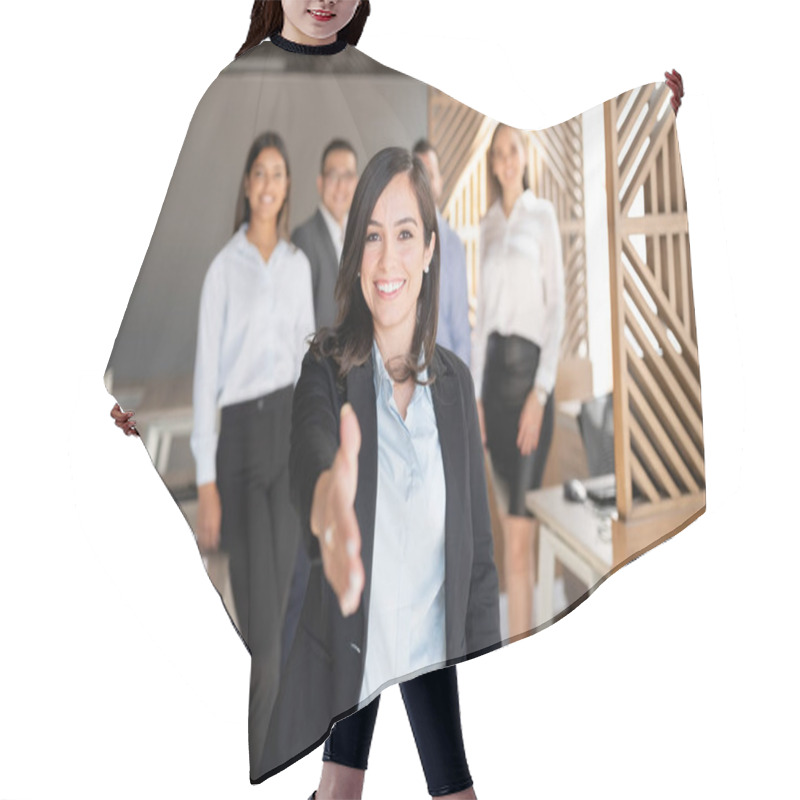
306,49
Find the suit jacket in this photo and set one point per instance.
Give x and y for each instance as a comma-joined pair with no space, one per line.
453,332
323,675
314,239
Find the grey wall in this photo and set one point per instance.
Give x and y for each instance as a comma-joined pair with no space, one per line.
156,341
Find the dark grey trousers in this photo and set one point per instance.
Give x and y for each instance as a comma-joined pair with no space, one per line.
260,532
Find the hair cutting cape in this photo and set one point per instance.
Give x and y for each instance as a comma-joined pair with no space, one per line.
628,417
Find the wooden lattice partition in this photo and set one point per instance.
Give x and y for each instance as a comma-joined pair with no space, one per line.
462,137
556,159
659,453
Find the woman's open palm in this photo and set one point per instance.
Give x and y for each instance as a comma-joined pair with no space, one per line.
340,540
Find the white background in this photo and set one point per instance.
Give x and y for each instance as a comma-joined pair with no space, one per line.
120,675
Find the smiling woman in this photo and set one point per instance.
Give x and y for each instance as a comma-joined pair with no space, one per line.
255,308
397,254
387,474
386,233
264,200
316,21
306,22
387,462
520,323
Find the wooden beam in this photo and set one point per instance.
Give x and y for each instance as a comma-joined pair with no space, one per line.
667,441
657,137
622,463
654,224
640,136
642,481
675,435
688,347
652,460
643,95
662,365
686,508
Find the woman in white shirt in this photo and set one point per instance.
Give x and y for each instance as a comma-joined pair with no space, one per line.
256,310
519,325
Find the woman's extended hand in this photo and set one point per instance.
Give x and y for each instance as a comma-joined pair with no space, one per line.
675,83
209,517
333,517
124,420
530,424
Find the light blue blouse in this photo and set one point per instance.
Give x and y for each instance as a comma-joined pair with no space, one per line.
406,627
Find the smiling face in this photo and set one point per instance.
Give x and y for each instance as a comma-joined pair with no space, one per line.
337,184
266,186
393,265
508,159
316,22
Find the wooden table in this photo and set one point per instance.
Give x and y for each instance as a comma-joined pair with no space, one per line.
591,541
577,534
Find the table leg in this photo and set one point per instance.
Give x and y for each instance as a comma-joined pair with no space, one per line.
547,567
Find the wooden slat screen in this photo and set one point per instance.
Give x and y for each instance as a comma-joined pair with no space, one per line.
657,402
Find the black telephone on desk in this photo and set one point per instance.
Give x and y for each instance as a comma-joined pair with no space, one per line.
603,494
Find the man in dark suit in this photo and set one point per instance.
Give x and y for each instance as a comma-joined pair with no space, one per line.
322,235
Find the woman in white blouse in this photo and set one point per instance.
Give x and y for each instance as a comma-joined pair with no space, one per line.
256,310
519,325
256,313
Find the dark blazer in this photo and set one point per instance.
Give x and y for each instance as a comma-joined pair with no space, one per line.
322,678
314,239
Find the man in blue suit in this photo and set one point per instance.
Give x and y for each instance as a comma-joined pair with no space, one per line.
453,331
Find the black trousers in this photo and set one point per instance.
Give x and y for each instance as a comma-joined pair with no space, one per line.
297,594
432,706
260,532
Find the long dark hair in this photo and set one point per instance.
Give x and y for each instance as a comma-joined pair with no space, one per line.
266,19
495,189
262,141
349,343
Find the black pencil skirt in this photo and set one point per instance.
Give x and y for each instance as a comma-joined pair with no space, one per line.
508,377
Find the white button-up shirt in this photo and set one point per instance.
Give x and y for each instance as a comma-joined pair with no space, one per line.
521,289
255,317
